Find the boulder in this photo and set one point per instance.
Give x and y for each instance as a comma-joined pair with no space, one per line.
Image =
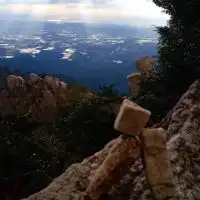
37,98
33,78
120,157
15,82
157,167
73,183
134,81
57,82
50,80
54,82
131,118
63,85
144,64
46,107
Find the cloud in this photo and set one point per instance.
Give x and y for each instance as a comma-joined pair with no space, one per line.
129,11
94,2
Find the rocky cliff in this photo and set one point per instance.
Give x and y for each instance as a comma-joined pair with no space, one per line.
183,144
36,96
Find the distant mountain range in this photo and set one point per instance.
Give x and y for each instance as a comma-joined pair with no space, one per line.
90,54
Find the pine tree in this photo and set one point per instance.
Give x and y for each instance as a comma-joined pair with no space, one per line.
179,56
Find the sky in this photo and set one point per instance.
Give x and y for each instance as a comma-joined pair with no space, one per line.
132,12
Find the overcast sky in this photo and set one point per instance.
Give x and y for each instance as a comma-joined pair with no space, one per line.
133,12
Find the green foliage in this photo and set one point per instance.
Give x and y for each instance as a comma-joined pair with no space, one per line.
108,91
34,152
153,98
86,126
179,61
28,161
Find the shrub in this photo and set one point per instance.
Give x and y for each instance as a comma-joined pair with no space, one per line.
179,60
28,161
34,152
86,126
108,91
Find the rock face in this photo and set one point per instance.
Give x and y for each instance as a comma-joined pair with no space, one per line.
33,78
35,96
74,181
52,81
32,96
121,156
15,82
183,145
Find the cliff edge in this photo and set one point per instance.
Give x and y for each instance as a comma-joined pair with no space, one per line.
183,144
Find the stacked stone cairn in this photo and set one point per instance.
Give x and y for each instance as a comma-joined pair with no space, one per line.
145,66
135,142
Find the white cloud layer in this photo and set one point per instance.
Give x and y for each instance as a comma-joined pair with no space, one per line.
136,12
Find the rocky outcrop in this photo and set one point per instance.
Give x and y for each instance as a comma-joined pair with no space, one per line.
134,81
34,78
54,82
40,98
144,64
120,157
183,145
15,82
31,96
146,67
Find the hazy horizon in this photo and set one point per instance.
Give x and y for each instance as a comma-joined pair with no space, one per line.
130,12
